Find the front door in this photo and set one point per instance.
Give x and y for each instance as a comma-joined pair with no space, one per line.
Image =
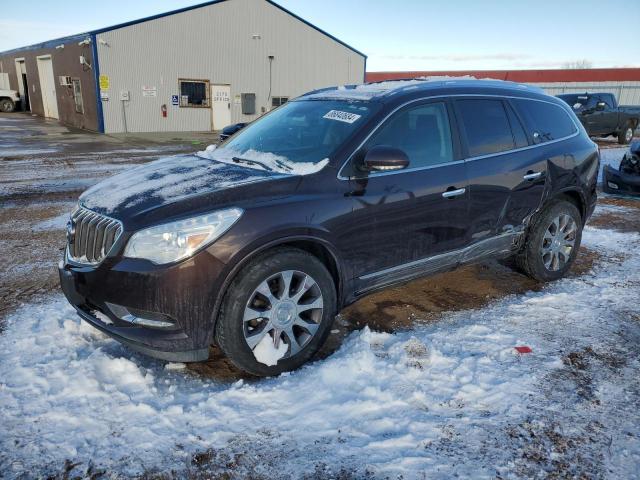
404,218
221,106
47,87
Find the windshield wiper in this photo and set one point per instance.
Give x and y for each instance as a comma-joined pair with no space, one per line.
281,164
252,162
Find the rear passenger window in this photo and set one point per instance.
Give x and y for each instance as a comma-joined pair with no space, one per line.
549,121
519,136
422,132
486,125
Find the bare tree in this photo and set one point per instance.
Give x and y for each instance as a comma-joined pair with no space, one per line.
584,63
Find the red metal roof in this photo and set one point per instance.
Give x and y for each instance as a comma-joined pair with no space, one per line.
525,76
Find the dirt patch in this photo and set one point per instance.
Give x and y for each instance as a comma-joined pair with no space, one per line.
546,450
426,300
617,217
32,243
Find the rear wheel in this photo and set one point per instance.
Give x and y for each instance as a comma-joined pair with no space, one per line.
277,313
552,243
626,135
7,105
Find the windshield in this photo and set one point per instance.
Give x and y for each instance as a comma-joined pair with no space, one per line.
297,138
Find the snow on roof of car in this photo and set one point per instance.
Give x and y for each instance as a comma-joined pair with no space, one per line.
368,91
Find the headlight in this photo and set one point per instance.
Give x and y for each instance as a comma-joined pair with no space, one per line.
178,240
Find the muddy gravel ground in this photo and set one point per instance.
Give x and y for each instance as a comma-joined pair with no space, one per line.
44,167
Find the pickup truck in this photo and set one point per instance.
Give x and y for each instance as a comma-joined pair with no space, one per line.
602,116
8,100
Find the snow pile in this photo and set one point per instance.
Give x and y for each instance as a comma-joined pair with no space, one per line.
267,353
448,399
262,161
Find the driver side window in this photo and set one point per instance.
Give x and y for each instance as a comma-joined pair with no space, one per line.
422,132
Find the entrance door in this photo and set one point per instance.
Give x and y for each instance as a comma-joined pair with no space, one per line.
221,106
48,87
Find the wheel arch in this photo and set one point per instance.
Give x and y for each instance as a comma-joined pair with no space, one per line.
575,197
317,247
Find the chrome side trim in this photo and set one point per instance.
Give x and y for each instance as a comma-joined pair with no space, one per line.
499,244
422,99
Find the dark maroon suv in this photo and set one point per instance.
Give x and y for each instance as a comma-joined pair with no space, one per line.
255,245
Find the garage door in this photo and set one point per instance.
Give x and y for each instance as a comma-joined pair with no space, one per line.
47,87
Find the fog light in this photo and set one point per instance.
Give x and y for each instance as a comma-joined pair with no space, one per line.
141,318
613,185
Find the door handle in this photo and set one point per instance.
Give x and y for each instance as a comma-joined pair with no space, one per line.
454,193
532,176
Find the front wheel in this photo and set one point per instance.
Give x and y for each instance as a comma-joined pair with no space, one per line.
626,135
6,105
277,313
553,242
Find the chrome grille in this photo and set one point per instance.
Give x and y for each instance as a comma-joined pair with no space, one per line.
90,236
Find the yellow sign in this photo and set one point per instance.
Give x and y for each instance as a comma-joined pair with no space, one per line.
104,82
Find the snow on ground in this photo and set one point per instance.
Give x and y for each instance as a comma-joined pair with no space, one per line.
59,222
445,399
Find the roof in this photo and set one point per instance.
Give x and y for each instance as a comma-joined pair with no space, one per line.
526,76
388,88
80,36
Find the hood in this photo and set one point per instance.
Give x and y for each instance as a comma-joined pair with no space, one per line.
167,181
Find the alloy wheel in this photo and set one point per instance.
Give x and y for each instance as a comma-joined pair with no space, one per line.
558,242
288,308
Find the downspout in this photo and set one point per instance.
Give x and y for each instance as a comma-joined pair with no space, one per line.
96,78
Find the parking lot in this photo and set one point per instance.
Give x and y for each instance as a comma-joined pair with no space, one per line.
424,378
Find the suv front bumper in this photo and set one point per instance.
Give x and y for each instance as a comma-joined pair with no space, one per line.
165,313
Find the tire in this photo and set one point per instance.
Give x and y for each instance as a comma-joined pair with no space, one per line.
537,258
244,299
7,105
626,135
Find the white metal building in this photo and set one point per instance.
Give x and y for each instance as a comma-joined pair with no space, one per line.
199,68
202,68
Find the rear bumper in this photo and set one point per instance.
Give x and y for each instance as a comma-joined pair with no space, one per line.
164,313
616,182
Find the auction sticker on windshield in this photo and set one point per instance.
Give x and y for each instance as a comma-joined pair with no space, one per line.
342,116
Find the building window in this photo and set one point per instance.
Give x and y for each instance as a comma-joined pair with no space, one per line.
77,95
277,101
194,93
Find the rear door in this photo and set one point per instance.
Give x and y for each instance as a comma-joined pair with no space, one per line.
406,216
506,178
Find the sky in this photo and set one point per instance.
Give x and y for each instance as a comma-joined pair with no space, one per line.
396,35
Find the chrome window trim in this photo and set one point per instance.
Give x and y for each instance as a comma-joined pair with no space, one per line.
468,159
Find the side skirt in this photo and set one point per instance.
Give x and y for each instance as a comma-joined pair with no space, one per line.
499,246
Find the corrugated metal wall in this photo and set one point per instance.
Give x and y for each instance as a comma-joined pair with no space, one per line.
216,43
627,93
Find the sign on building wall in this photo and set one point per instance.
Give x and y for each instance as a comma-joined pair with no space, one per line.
104,82
175,100
149,91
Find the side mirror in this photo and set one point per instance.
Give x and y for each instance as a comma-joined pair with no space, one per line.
383,158
600,106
